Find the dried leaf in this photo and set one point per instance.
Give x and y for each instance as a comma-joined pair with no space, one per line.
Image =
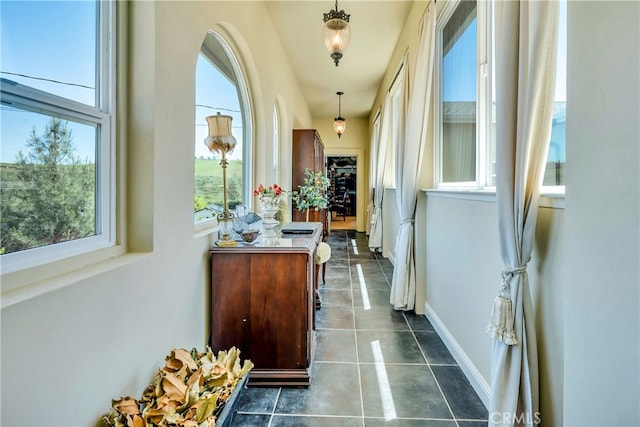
246,367
172,365
137,421
183,373
210,422
185,357
153,415
196,378
174,387
209,405
216,381
173,417
186,392
126,405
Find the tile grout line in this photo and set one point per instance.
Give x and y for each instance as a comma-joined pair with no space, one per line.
446,401
275,404
355,332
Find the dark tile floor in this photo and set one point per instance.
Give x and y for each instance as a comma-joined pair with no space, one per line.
373,366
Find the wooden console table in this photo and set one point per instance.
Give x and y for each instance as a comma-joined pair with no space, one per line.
262,302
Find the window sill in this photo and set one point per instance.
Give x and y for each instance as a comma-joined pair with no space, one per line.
204,228
22,289
548,199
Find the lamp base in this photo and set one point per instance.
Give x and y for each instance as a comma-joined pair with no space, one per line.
225,224
226,243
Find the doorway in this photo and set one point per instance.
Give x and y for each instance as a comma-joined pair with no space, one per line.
342,172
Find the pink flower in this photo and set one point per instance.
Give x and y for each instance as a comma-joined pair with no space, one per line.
271,191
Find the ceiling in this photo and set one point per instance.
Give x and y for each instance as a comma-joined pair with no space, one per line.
375,29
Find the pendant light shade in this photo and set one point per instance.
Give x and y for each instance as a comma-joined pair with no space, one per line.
339,123
337,33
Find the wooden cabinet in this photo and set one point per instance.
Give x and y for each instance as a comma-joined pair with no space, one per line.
262,302
307,153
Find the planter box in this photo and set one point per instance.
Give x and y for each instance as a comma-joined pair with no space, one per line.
230,406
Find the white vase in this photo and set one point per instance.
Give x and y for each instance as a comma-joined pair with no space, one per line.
269,207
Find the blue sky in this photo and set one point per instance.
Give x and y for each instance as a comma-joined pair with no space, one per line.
32,34
214,93
459,68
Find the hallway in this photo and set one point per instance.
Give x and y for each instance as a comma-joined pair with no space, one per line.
373,366
343,223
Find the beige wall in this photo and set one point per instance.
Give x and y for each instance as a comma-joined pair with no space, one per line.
602,223
463,276
106,329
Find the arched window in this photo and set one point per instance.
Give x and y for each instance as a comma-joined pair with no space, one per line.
221,88
276,144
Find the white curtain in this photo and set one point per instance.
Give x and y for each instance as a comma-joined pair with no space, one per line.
526,45
408,160
375,232
375,138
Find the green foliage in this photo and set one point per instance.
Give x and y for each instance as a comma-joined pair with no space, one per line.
313,193
208,183
199,203
47,195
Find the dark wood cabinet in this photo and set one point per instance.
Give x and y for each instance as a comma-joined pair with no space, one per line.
307,153
262,302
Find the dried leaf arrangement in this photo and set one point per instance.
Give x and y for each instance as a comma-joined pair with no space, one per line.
189,391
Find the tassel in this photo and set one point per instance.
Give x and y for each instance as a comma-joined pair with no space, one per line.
501,325
502,320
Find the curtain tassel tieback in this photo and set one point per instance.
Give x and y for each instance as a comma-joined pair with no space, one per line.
501,325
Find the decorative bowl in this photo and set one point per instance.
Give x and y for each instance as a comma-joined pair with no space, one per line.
250,235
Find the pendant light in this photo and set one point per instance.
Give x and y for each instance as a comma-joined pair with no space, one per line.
337,33
340,123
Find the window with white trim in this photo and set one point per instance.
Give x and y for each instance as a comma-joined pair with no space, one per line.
465,105
554,174
57,157
221,87
398,118
458,108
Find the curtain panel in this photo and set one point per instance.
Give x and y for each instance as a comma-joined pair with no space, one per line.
526,55
375,232
408,161
373,163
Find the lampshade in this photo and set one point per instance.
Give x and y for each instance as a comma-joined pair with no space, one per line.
221,141
337,33
220,138
339,123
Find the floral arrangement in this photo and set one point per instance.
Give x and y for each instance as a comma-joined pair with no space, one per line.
189,391
313,193
271,191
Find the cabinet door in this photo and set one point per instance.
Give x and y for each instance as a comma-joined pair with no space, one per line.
279,310
230,303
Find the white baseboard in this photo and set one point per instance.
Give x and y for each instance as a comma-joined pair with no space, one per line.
478,383
391,258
